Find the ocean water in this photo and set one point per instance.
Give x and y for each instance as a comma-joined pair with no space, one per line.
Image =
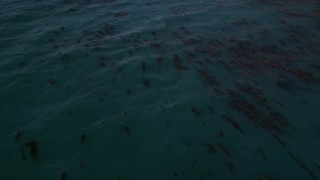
150,89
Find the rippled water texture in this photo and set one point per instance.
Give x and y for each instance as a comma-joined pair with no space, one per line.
150,89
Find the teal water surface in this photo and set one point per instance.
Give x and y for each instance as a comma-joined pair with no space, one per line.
150,89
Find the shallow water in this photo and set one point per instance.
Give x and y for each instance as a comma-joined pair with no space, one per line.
116,89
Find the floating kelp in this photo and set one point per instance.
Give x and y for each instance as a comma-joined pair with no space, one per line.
273,122
232,122
51,81
246,71
231,167
264,177
261,153
302,165
245,107
121,14
211,47
221,134
63,176
18,135
129,91
211,110
210,148
82,138
126,130
102,62
146,83
225,150
210,79
22,151
178,63
306,76
195,111
254,93
32,145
